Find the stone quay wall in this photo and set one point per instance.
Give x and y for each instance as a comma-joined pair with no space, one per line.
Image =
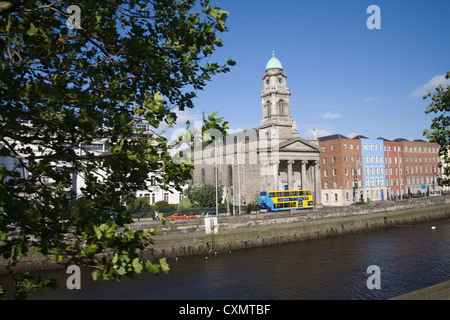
188,237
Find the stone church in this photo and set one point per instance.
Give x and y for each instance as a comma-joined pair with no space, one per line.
268,158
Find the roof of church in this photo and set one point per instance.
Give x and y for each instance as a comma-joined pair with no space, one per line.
332,137
274,63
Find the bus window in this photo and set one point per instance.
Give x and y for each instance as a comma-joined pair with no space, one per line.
263,193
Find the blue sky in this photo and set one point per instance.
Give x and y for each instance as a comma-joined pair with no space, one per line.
343,77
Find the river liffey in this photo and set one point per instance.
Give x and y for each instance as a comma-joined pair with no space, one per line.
408,258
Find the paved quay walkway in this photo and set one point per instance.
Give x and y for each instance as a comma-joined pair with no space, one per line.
440,291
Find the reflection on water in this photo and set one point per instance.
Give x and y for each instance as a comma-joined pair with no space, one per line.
409,258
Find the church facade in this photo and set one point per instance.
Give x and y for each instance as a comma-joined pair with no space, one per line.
270,157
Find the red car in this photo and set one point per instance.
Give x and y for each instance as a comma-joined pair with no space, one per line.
181,215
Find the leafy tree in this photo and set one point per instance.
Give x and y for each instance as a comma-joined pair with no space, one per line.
204,195
123,62
439,131
139,203
161,205
185,203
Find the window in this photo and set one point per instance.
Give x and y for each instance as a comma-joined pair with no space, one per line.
92,147
281,104
166,197
269,113
203,176
325,173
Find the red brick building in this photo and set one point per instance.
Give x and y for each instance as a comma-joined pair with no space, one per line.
340,162
410,169
421,169
395,177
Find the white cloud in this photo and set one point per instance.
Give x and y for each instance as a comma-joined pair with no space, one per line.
188,114
330,115
351,135
369,99
320,133
430,86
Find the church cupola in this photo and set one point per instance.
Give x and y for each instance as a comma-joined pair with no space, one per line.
275,97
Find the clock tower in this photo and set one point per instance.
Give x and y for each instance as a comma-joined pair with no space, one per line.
275,98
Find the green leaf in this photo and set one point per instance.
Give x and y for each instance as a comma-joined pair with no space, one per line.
98,232
164,265
33,30
95,274
137,266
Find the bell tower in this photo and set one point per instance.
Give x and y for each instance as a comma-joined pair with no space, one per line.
275,98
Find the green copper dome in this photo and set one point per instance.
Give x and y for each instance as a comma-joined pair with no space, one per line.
274,63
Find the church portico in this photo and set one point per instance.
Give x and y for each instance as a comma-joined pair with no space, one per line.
295,174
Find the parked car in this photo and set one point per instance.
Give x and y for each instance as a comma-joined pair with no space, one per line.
211,214
181,215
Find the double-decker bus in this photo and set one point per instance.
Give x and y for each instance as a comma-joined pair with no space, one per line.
285,200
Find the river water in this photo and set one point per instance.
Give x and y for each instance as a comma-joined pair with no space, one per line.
409,258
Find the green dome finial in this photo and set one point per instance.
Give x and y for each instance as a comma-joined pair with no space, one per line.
274,63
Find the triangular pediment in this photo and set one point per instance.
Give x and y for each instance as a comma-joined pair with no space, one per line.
298,144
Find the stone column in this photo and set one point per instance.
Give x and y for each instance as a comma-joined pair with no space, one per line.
289,174
317,186
303,173
274,165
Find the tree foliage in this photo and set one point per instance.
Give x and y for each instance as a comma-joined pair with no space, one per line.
126,61
204,195
439,131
